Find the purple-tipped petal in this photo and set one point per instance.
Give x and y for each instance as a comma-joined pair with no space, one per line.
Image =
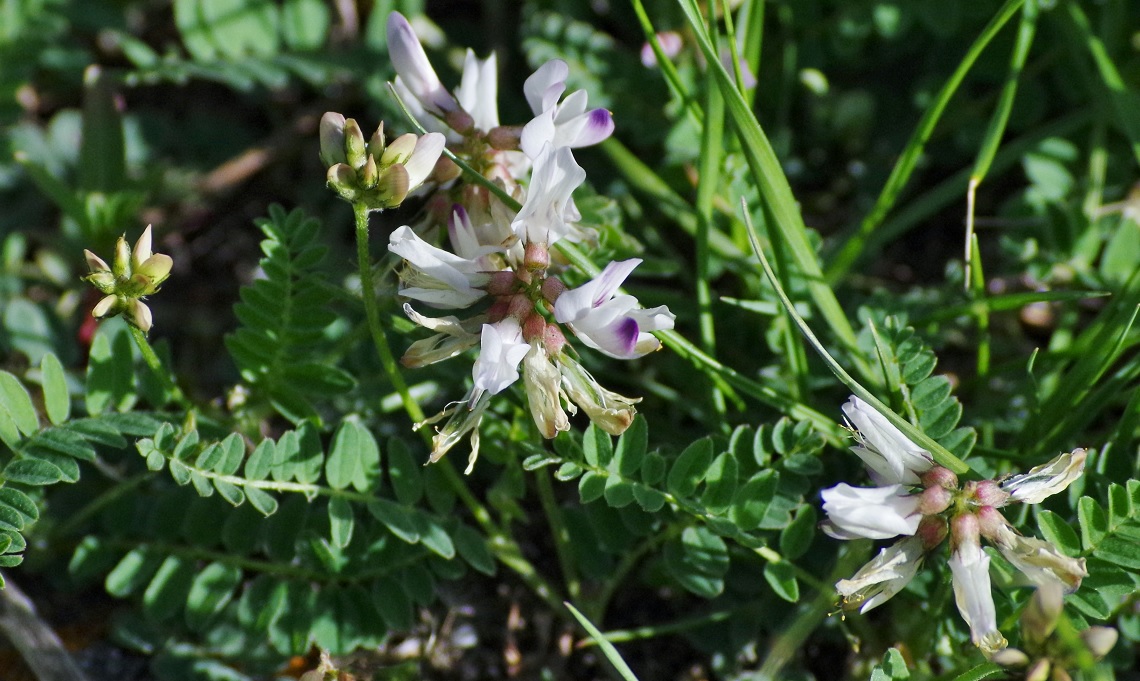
414,68
599,126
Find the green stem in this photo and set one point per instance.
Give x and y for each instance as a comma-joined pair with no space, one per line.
560,534
156,368
372,312
505,548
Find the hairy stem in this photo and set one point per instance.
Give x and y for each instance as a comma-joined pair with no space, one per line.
156,368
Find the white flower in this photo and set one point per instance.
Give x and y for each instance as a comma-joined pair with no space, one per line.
476,243
544,392
608,410
568,124
890,456
1041,562
548,211
501,350
1047,479
452,337
611,322
418,155
884,576
478,90
869,512
413,68
970,568
435,276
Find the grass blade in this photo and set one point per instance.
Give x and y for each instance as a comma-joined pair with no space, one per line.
606,647
941,455
855,246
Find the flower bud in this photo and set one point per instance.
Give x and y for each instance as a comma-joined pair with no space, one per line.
1041,613
391,189
122,263
376,142
533,327
1010,657
355,150
552,287
460,121
105,307
935,500
332,139
536,256
964,531
931,530
939,476
1039,671
505,137
989,493
553,339
445,170
1099,640
501,283
498,310
369,175
342,180
519,306
138,315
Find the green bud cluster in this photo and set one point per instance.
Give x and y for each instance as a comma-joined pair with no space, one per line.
133,275
371,172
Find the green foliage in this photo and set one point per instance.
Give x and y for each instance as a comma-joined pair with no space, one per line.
283,344
252,507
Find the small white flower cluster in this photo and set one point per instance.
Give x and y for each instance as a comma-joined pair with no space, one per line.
925,516
500,259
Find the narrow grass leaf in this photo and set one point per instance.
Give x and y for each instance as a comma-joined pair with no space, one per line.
606,647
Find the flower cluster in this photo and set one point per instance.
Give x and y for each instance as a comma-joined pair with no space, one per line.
132,276
374,173
500,261
923,503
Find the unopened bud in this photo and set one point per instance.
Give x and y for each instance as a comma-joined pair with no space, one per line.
1060,674
935,500
369,174
122,263
105,306
1099,640
552,287
332,139
355,150
931,530
553,340
501,283
1039,671
536,257
460,121
498,310
964,530
1010,657
533,327
376,142
392,187
505,137
1040,616
989,493
445,170
991,523
138,314
342,180
519,306
939,476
